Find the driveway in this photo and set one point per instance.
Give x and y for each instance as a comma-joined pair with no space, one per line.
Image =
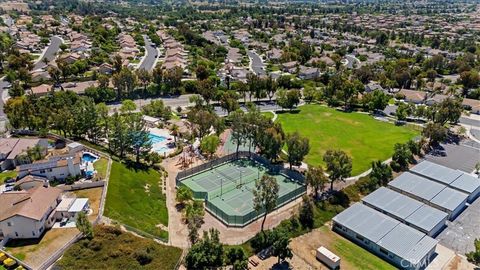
351,60
256,63
151,55
50,53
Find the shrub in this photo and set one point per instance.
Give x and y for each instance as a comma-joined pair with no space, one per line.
142,257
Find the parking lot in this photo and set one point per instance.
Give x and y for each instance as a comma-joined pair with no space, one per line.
460,234
462,156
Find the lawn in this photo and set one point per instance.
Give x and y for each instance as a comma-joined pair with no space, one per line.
352,256
113,249
101,167
362,137
7,175
135,198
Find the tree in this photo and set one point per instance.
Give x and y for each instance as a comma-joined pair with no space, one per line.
448,110
206,253
209,145
84,225
269,138
265,196
376,100
238,126
237,257
435,133
202,72
474,256
128,106
306,215
144,77
288,99
281,249
316,178
16,89
381,173
229,101
125,81
309,94
402,156
118,137
138,139
403,111
298,148
339,165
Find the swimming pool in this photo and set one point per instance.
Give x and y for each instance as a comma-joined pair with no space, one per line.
156,138
87,157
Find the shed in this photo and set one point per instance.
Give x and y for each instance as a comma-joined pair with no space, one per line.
451,201
436,172
416,186
328,258
468,184
74,147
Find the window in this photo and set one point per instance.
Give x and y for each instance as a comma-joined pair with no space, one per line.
9,224
384,251
359,237
49,170
16,234
33,233
42,171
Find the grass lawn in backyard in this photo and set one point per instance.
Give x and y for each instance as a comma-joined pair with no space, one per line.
101,167
112,248
135,198
352,256
362,137
7,175
269,115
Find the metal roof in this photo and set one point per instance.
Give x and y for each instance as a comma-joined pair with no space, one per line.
450,199
405,208
365,221
386,232
426,218
436,172
417,185
407,243
467,183
392,202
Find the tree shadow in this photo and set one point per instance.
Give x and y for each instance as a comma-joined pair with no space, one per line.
282,266
132,165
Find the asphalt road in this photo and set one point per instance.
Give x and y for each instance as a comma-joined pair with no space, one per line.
469,121
256,63
151,55
351,60
3,87
50,53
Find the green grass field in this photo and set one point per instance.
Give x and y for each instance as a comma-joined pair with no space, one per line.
135,198
362,137
7,175
101,166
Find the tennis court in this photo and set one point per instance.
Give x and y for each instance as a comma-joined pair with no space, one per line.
227,190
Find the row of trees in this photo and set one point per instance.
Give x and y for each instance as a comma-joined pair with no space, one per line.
74,116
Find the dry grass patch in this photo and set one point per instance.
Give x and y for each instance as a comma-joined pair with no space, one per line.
94,196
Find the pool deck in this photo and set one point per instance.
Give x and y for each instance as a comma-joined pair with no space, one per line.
163,133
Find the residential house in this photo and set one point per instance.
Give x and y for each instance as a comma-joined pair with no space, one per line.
13,150
55,168
413,96
308,73
290,67
28,213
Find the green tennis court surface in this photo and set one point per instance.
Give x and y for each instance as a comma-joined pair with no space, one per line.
227,190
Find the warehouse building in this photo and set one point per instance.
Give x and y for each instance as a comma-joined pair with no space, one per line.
387,237
452,178
431,193
409,211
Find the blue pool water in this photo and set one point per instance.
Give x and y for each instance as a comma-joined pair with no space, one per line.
156,138
87,157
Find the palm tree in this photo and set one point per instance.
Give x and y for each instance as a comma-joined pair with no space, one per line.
175,131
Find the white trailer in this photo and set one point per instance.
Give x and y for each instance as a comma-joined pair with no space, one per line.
328,258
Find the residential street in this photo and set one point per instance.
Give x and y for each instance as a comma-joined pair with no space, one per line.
49,53
256,63
151,55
